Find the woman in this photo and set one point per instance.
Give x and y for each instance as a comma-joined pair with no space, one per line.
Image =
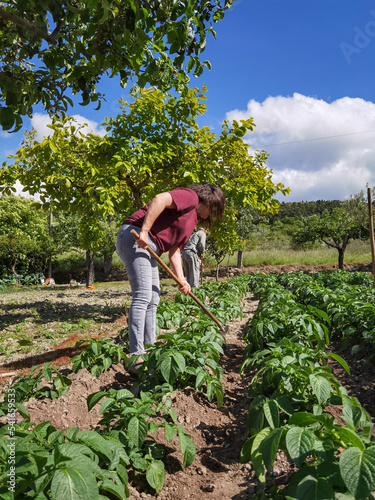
165,225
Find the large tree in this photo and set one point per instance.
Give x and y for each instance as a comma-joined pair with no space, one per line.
154,145
50,46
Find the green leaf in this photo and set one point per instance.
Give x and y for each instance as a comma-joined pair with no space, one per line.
342,362
285,405
106,403
321,388
269,447
256,455
271,412
96,442
311,488
245,455
71,484
186,446
358,471
169,432
7,118
350,437
114,489
107,362
22,411
171,367
155,475
352,415
137,429
92,399
300,444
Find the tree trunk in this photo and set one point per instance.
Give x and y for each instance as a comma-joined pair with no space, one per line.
341,258
107,263
90,256
342,251
49,272
217,271
240,259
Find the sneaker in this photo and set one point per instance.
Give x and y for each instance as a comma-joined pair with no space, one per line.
133,370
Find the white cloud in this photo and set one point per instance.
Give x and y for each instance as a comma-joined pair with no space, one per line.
320,150
19,192
40,121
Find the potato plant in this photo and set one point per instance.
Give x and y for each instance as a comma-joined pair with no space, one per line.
53,464
292,389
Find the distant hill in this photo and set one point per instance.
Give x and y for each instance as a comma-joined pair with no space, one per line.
300,209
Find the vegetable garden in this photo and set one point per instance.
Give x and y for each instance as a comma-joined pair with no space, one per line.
285,408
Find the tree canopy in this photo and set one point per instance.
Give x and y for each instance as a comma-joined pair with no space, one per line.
24,240
52,48
153,145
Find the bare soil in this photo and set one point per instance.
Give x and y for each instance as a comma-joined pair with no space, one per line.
218,434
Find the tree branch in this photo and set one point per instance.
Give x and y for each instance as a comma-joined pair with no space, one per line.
26,25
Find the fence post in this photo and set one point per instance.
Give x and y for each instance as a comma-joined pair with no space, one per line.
371,231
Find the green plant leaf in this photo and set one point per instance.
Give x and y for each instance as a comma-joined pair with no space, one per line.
169,432
92,399
155,475
186,446
358,471
321,388
342,362
312,488
114,489
271,412
137,429
22,411
96,442
352,415
171,367
256,454
350,437
299,443
72,484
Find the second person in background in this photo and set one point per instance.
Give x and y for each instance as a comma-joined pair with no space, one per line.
192,256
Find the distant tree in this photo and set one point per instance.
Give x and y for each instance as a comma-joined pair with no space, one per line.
299,210
336,228
48,47
217,251
24,237
246,219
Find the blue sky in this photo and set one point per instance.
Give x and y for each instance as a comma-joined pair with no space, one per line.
304,70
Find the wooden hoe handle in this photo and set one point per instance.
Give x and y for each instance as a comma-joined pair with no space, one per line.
177,280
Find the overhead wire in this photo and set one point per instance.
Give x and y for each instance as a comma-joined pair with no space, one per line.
316,139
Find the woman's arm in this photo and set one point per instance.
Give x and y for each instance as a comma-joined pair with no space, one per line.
175,261
160,202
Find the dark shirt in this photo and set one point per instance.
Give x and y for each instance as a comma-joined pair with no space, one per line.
173,227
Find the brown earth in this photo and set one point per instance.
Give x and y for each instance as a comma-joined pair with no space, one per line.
218,434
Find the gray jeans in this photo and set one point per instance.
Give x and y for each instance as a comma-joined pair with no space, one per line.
191,263
143,276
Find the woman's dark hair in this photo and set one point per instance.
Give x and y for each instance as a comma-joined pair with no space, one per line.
213,197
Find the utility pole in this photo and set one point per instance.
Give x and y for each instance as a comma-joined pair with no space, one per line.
50,234
371,221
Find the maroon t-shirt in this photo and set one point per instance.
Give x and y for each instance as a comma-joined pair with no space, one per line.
173,227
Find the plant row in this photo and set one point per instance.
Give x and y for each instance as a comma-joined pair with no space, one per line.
294,396
55,464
